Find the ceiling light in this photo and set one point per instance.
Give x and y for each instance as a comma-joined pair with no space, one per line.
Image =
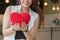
53,8
45,3
57,8
6,1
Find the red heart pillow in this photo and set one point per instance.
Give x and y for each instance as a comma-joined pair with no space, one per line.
16,17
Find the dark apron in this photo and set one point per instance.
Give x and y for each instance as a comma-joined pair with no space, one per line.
20,35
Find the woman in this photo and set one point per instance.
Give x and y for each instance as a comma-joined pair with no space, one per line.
15,32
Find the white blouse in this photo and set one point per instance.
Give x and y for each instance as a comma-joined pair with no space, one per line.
33,15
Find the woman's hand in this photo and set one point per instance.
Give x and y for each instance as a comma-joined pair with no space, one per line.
24,26
16,27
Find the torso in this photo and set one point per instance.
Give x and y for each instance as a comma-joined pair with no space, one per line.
33,15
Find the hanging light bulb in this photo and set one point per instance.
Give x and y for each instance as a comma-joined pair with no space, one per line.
38,3
45,3
6,1
53,8
57,8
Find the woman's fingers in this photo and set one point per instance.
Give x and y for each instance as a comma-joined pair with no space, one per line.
27,26
17,26
24,26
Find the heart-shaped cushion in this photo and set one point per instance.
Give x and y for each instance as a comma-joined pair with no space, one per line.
16,17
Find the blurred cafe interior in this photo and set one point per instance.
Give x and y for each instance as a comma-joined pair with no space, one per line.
51,11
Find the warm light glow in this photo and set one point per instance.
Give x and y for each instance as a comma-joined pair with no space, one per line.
53,8
57,8
38,3
7,1
45,3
